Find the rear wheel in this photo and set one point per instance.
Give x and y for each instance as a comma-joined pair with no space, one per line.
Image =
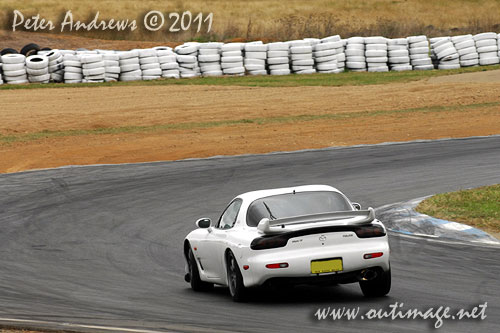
235,279
380,286
194,275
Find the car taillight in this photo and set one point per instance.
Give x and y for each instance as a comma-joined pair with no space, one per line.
370,231
373,255
280,265
272,242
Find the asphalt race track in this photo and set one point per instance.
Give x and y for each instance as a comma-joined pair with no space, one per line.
102,245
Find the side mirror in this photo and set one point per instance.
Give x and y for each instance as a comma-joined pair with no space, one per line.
356,206
204,223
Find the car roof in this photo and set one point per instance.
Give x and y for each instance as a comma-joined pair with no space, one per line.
254,195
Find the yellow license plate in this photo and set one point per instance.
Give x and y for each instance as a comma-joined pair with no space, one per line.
326,266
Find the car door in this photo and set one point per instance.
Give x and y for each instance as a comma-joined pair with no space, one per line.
216,241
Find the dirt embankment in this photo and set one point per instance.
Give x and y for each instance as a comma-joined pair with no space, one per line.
146,123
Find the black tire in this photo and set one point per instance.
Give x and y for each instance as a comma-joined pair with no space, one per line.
8,51
46,49
235,279
194,275
30,49
378,287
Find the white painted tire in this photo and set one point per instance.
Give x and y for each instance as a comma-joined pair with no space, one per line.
398,53
255,62
99,64
419,50
419,56
489,61
129,61
13,67
13,59
130,78
423,67
304,62
208,51
324,53
449,66
416,39
401,68
72,63
327,66
420,44
16,73
149,60
129,54
93,71
280,72
354,53
279,67
232,47
37,62
256,55
111,56
209,58
112,70
226,65
301,50
254,67
146,53
446,52
150,66
232,59
186,49
377,60
355,40
72,76
355,65
421,62
169,58
379,47
89,58
326,59
399,60
356,59
278,46
469,63
378,69
234,70
486,49
169,66
375,53
255,47
36,72
470,56
187,59
485,35
152,72
465,51
130,68
277,54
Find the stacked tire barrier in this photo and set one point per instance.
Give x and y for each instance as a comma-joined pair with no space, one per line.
255,58
209,59
93,68
73,72
301,56
327,55
232,59
398,55
168,63
130,69
14,68
150,65
355,54
278,58
37,68
420,53
487,47
466,48
446,53
111,66
376,54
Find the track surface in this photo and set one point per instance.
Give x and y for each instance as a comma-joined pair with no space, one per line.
102,244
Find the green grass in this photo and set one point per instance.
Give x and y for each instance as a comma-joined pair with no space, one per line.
46,134
478,207
335,80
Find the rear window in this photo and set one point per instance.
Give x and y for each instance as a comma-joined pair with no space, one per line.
300,203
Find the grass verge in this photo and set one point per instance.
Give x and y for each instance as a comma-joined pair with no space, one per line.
478,207
46,134
332,80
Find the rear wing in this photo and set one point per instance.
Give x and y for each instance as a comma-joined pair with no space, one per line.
354,217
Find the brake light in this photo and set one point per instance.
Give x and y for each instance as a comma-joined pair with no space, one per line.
373,255
274,266
368,231
271,242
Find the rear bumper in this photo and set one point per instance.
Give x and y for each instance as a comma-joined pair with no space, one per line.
299,263
324,279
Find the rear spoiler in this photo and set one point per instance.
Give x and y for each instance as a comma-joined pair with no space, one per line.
354,217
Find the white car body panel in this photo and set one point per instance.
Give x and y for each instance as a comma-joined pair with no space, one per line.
210,244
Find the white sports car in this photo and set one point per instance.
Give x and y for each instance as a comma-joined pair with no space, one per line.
288,236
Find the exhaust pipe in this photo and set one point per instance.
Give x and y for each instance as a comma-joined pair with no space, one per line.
368,274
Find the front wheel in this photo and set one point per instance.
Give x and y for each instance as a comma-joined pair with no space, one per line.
194,275
378,287
235,279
